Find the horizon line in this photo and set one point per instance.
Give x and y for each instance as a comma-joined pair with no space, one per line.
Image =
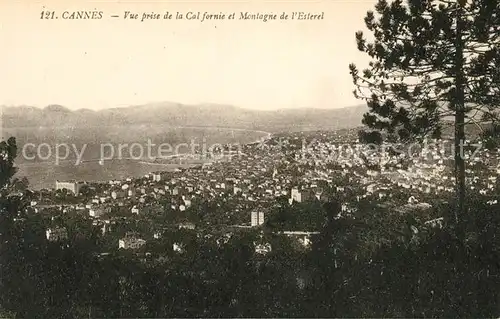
179,104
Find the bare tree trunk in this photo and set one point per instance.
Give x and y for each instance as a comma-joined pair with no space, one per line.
459,165
459,117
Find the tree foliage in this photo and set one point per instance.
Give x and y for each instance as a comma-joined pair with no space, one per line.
410,84
8,153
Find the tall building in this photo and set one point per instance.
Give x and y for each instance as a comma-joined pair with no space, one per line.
72,186
295,195
299,196
257,219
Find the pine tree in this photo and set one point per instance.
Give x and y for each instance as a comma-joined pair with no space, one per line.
433,63
8,153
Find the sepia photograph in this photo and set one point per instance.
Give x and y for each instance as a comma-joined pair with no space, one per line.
250,159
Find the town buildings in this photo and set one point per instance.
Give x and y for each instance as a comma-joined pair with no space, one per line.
214,201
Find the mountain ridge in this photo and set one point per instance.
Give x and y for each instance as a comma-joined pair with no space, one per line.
177,114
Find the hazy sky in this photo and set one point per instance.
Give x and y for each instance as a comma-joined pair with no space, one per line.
115,62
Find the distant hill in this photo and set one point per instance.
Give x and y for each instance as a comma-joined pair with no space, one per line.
175,114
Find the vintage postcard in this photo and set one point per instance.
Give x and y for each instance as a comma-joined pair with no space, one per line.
249,158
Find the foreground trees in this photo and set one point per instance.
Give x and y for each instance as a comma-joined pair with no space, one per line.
435,276
8,153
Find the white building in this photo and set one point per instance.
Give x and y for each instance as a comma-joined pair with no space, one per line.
116,195
298,196
56,234
71,186
131,242
95,212
257,219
